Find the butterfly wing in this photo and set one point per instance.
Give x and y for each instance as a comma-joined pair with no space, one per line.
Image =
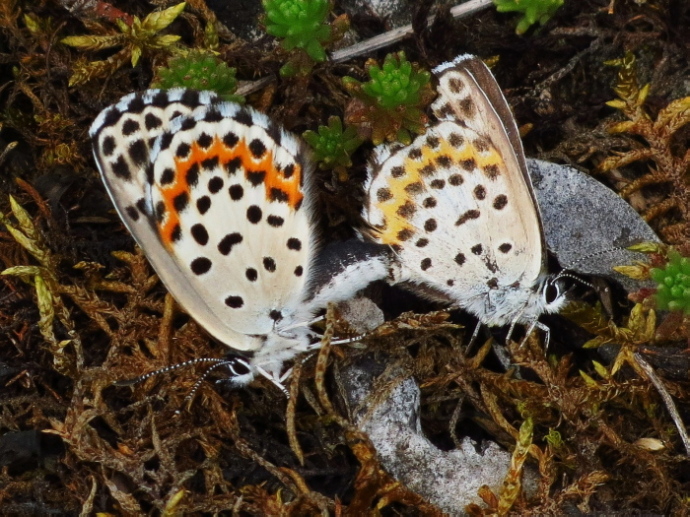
469,94
220,207
455,205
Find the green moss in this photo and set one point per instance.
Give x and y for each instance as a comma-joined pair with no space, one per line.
300,24
199,70
533,11
673,290
394,99
395,83
331,145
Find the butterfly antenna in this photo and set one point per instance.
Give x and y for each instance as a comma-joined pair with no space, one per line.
588,256
347,341
187,400
573,277
167,369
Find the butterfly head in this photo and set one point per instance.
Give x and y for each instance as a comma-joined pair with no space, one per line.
552,292
516,303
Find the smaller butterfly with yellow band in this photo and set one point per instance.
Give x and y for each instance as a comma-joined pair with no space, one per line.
458,209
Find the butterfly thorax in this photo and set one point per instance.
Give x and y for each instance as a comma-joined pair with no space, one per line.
279,347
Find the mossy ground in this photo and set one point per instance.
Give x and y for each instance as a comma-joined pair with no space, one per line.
120,450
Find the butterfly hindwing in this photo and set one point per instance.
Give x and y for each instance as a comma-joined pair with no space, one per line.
457,207
229,190
257,235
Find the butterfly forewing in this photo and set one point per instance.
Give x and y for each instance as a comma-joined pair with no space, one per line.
456,205
214,223
470,95
229,191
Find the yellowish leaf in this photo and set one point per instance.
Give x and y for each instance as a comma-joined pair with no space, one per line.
642,94
617,103
622,127
601,370
166,40
26,224
32,23
159,20
171,506
637,319
675,115
93,42
554,439
127,29
640,272
136,54
27,243
588,380
595,342
648,247
45,309
23,271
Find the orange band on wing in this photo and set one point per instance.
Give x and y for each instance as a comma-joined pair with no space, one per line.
277,187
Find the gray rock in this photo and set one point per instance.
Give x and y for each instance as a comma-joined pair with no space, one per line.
449,480
585,222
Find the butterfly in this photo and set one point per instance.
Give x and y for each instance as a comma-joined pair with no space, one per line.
222,201
458,209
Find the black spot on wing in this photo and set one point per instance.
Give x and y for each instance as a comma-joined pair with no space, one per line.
254,214
139,152
244,117
108,145
256,178
215,184
234,302
210,163
190,98
269,264
121,169
257,148
200,234
151,121
200,265
226,244
230,139
136,105
204,141
275,221
294,243
236,192
187,124
203,204
130,126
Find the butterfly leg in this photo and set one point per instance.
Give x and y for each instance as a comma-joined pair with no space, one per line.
475,334
547,335
530,329
299,325
275,381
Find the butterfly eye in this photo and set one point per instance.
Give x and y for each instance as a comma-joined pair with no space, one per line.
551,292
238,366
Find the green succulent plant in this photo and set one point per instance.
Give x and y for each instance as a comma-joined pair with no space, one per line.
533,11
673,290
300,24
392,101
199,70
331,145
